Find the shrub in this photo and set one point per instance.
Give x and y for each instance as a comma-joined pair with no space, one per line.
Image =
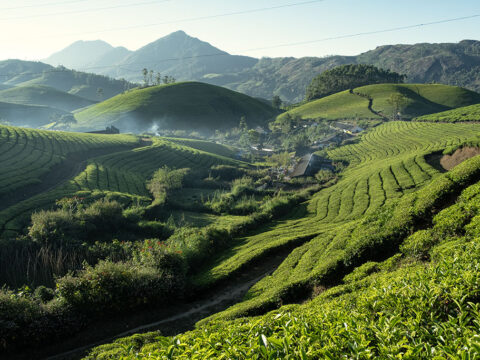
111,287
44,294
55,227
103,214
226,172
419,244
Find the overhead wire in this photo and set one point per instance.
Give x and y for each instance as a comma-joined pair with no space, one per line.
399,28
88,10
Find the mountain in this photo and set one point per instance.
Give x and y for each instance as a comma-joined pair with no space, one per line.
181,56
85,85
188,58
190,106
80,54
43,95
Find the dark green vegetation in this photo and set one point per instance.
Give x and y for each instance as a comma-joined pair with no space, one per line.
134,223
467,113
185,106
390,256
347,77
449,63
131,225
43,95
384,100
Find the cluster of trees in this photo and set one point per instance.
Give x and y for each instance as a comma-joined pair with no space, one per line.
151,79
347,77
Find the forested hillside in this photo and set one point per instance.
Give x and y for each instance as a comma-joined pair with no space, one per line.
192,59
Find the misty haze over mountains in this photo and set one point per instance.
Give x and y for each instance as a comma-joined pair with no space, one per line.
188,58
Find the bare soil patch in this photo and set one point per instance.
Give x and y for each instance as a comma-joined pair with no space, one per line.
450,161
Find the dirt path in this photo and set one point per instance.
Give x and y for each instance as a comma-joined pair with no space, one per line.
170,321
370,104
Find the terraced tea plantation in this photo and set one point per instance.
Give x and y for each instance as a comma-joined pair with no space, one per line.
26,155
386,164
382,281
120,171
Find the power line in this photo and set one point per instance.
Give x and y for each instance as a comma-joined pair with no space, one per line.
42,5
87,10
271,47
243,12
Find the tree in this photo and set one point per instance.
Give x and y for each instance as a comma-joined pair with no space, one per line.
100,93
158,79
277,102
397,101
253,137
347,77
243,124
150,77
145,76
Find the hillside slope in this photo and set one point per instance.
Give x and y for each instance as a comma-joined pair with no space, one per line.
467,113
43,95
28,115
419,99
377,285
186,106
86,85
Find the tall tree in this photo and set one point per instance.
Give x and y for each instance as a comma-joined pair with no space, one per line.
277,102
145,76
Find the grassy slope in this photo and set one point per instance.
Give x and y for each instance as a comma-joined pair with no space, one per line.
28,115
467,113
123,172
337,106
43,95
421,99
27,154
207,146
385,165
418,299
187,106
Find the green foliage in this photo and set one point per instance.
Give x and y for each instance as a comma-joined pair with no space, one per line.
382,309
112,287
66,226
165,180
346,77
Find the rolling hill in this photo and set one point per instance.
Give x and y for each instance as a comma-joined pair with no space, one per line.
467,113
373,102
184,106
86,85
28,115
43,95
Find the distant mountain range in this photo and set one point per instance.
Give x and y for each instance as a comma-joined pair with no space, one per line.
188,58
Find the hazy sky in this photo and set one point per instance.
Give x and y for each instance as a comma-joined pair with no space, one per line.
33,30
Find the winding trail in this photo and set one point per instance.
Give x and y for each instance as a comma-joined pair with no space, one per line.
370,104
170,320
